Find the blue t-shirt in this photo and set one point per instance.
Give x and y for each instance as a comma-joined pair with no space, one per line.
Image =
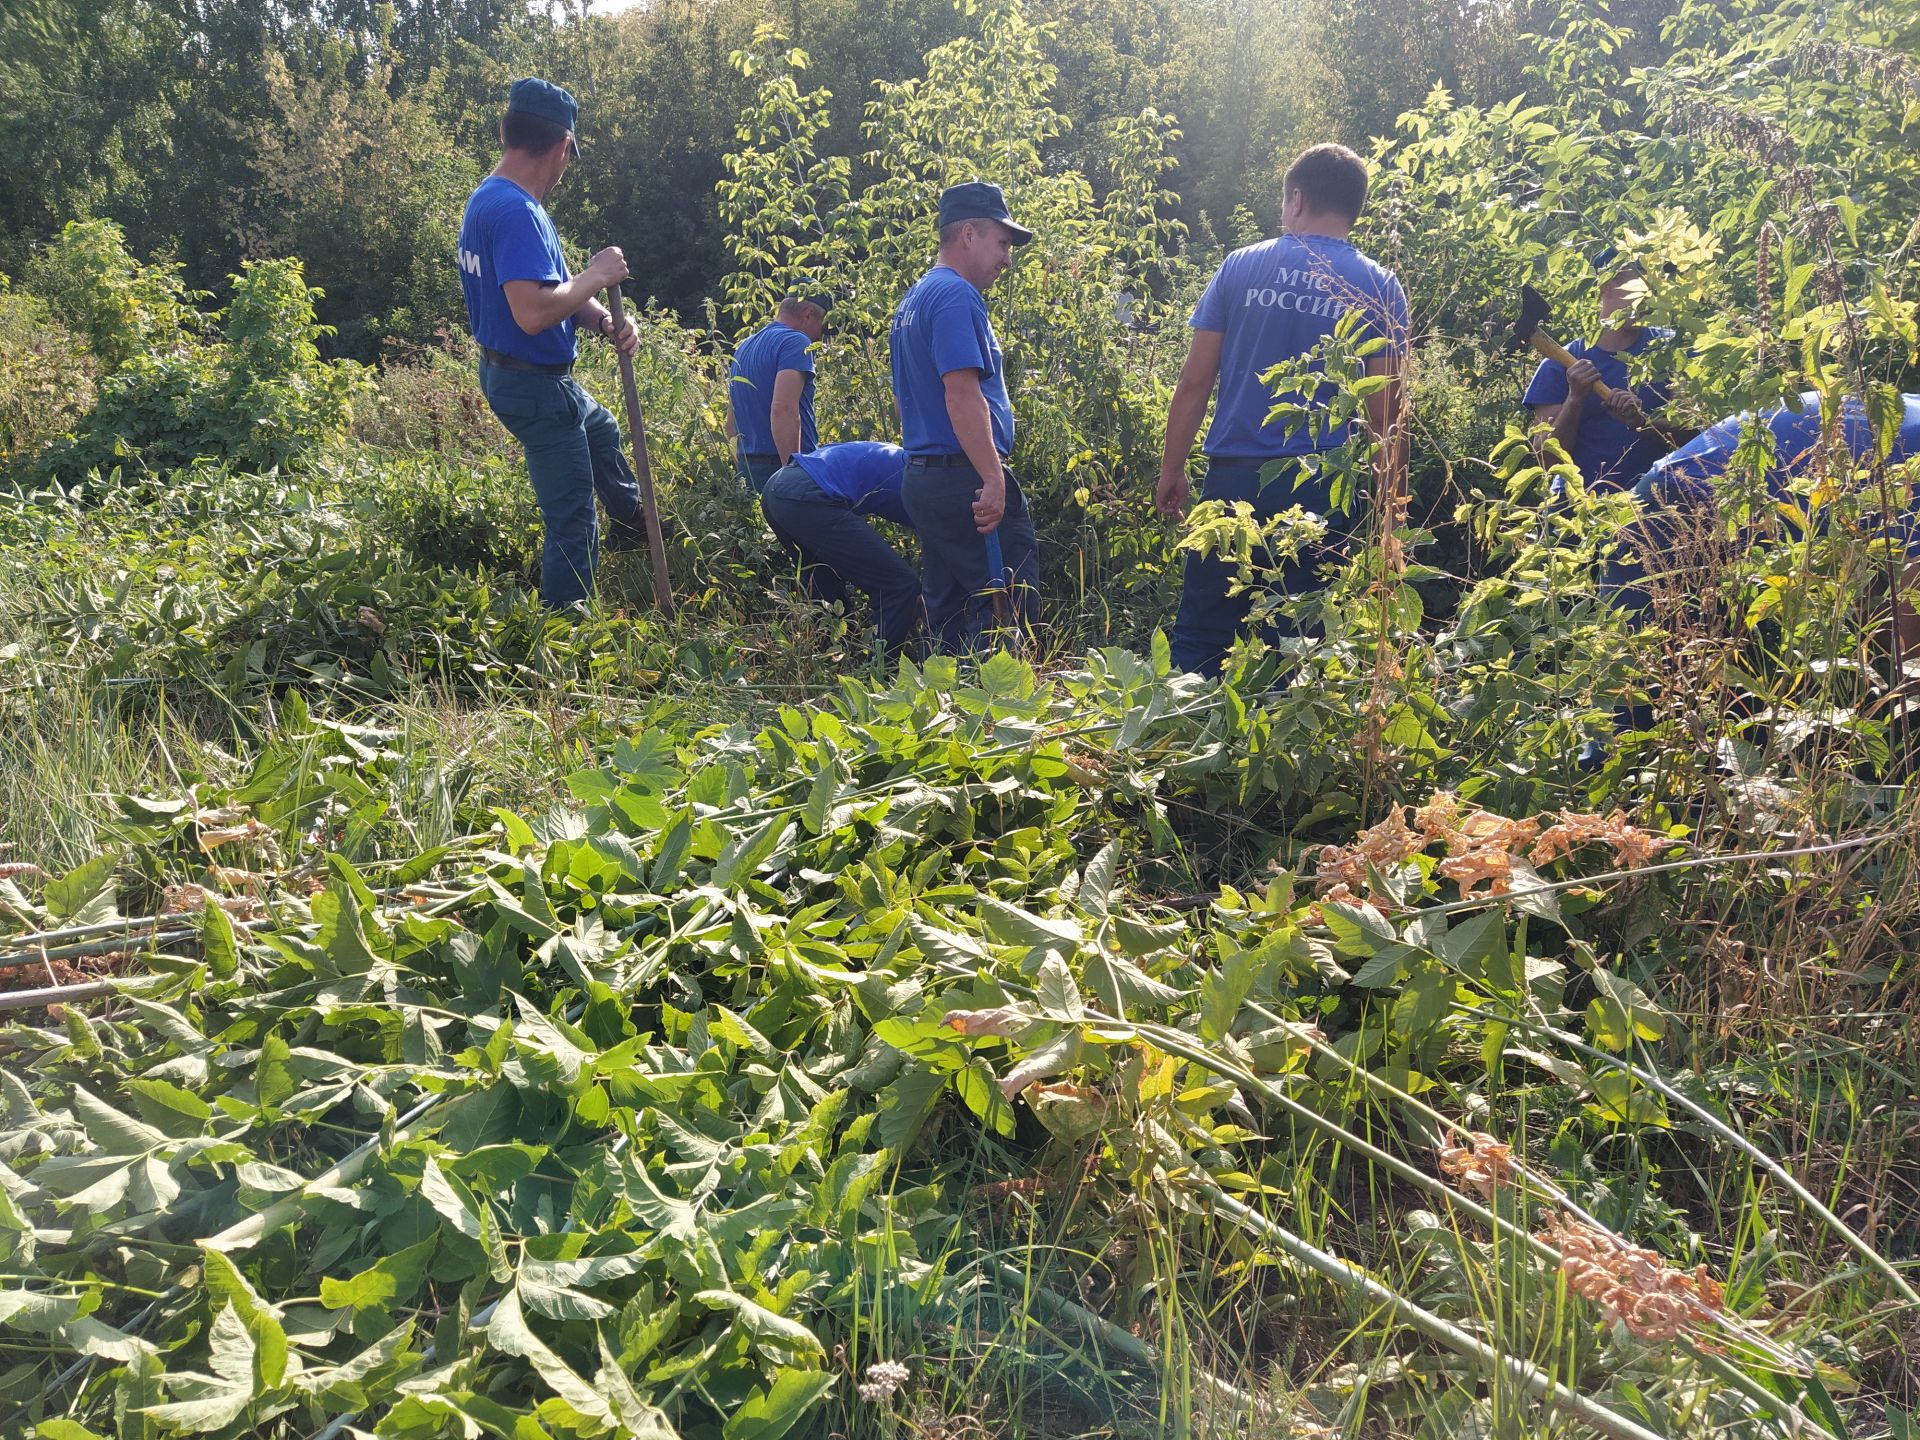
757,363
1682,477
864,473
506,235
941,326
1609,455
1273,302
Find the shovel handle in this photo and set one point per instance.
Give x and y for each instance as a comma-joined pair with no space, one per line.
642,466
997,581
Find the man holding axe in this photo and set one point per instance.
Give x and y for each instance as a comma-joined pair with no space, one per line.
524,307
1582,392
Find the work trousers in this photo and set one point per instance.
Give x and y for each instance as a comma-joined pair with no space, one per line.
1210,619
953,553
573,451
838,548
756,470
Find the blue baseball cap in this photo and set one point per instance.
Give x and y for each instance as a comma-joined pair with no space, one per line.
548,101
979,200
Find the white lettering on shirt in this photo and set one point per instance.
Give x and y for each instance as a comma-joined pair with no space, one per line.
469,262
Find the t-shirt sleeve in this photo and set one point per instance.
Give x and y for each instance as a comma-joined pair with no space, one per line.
1211,312
960,338
520,251
796,353
1548,386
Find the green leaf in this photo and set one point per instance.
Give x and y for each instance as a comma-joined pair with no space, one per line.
64,1430
35,1313
1058,996
266,1338
1097,882
769,1414
1223,991
1011,925
390,1281
507,1332
113,1132
218,942
73,893
776,1333
449,1200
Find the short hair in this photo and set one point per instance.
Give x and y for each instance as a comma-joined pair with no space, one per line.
534,134
1329,178
950,232
791,303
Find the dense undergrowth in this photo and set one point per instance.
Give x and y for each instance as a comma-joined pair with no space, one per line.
495,1026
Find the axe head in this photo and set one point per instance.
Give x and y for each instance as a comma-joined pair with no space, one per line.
1534,311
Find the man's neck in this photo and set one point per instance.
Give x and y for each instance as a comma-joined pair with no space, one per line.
945,261
1617,335
528,174
1326,227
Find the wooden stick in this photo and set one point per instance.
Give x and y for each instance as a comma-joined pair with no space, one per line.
642,469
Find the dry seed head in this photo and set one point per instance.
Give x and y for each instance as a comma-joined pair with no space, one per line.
1482,1163
1633,1285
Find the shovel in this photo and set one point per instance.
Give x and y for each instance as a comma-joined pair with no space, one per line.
642,470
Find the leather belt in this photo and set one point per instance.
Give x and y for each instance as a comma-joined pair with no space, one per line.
514,362
945,462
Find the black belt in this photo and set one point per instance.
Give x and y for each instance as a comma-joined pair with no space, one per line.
747,455
514,362
945,462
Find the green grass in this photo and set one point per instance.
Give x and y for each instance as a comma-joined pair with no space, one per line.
467,734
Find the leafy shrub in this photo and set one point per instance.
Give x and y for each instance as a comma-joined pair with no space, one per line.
479,518
124,309
259,398
46,375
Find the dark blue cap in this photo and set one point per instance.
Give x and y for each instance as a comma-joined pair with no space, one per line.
548,101
1608,261
979,200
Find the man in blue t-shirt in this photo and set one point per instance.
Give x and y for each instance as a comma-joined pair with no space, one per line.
770,390
523,308
1267,304
1678,488
1612,441
817,504
950,384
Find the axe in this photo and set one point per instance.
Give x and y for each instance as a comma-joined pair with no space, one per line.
1534,311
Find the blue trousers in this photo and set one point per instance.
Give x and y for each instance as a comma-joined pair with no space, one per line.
572,446
831,537
953,553
1210,619
756,470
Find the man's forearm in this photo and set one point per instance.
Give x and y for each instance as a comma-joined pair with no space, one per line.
786,433
545,306
973,428
1566,425
1184,414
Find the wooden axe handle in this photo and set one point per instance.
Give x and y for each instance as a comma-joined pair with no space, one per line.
1554,350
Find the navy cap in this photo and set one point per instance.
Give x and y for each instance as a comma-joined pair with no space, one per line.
818,298
548,101
1609,261
979,200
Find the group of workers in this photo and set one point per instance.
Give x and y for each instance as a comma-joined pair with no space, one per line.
1268,305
